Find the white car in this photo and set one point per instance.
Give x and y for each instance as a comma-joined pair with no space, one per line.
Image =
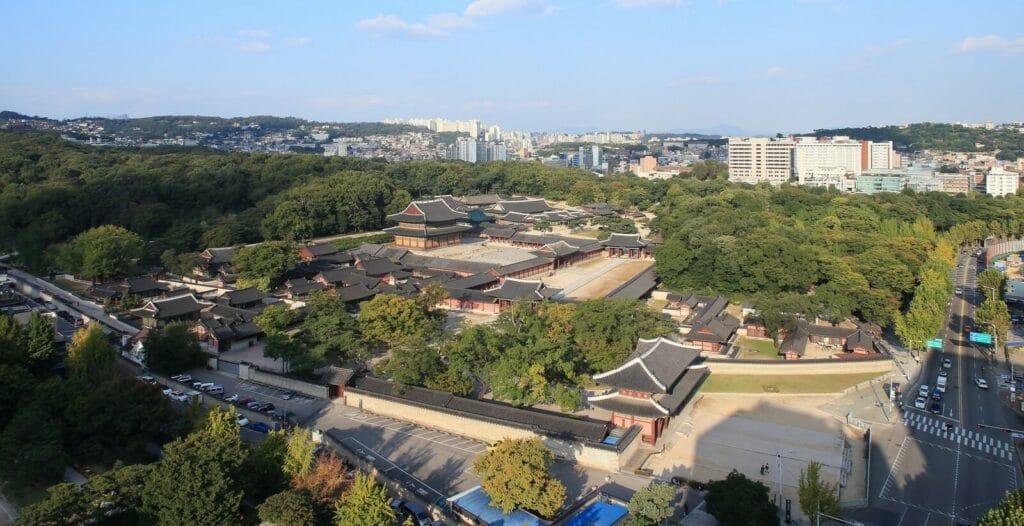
167,391
924,391
943,373
920,402
231,398
242,420
981,383
183,378
179,396
947,363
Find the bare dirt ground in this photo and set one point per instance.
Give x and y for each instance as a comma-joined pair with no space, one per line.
595,278
483,252
726,432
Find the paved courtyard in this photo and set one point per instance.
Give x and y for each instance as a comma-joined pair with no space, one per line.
480,251
594,278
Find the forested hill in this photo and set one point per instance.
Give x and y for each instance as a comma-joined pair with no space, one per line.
188,199
931,136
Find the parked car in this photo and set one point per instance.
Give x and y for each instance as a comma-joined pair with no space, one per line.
148,379
419,514
981,383
183,378
216,389
287,395
245,402
254,404
924,391
179,396
259,427
167,391
920,402
937,395
267,407
242,420
396,504
231,398
936,408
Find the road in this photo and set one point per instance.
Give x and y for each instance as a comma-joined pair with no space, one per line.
67,301
943,468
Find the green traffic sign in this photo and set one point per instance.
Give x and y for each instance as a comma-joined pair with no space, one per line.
934,344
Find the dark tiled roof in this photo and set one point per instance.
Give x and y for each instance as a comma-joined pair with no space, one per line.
338,258
480,200
543,422
581,243
479,216
525,206
516,217
356,292
794,342
827,330
478,296
560,248
481,279
143,284
427,232
336,375
718,329
522,265
625,241
500,232
860,339
432,211
637,287
302,286
515,289
653,367
224,311
167,308
377,266
242,296
457,265
321,250
219,255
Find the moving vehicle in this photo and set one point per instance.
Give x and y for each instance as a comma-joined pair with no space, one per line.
287,395
981,383
940,384
148,379
936,408
959,291
937,395
947,363
920,402
943,373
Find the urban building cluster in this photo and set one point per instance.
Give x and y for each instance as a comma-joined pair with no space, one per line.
865,166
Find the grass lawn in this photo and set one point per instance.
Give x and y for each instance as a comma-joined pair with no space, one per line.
657,305
786,384
757,349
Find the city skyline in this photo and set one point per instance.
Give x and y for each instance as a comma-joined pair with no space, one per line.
690,66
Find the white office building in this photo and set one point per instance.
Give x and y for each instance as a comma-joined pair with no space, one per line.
879,156
815,158
1000,182
756,159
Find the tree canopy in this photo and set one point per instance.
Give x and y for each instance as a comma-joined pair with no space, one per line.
515,474
172,349
739,501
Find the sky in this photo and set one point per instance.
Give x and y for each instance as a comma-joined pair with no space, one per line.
761,66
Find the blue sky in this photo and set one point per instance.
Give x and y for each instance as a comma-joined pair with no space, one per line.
760,65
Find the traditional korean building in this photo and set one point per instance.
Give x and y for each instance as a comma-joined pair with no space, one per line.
159,312
651,387
627,246
428,224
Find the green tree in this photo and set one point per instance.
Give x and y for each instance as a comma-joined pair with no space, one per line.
118,490
294,354
1009,512
451,381
298,457
739,501
31,448
101,252
182,264
40,339
816,495
90,355
412,362
173,348
275,319
390,318
263,474
652,505
13,342
65,504
288,508
197,479
515,474
263,266
606,331
365,505
991,281
994,315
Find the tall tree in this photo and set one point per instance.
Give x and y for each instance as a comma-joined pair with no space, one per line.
1009,512
288,508
366,504
990,283
262,473
651,505
298,457
816,495
263,266
40,339
101,252
275,319
515,474
172,349
197,479
13,342
90,355
390,318
739,501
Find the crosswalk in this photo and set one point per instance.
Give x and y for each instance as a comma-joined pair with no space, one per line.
958,435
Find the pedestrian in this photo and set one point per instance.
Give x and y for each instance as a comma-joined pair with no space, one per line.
686,509
762,470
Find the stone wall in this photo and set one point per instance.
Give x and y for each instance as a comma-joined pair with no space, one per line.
248,373
799,367
484,431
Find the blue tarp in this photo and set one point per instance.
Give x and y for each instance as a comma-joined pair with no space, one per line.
599,514
478,503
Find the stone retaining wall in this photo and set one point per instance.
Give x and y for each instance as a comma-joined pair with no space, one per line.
800,367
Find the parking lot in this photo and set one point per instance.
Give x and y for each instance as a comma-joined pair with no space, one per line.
301,406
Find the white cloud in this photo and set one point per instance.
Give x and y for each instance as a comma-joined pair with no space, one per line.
449,21
991,43
695,80
298,41
639,4
509,7
254,47
254,33
392,25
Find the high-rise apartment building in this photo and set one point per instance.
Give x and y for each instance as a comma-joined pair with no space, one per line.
877,155
755,159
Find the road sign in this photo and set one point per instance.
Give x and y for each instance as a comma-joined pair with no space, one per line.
934,344
980,337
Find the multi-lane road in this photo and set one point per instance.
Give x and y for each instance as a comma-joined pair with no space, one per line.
943,468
